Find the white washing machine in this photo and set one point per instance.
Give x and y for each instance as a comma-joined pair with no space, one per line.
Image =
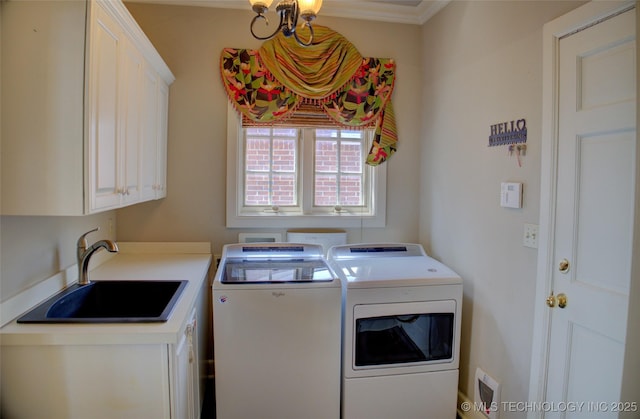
401,340
277,332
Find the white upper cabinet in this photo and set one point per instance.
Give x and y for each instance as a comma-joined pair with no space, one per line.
84,112
153,125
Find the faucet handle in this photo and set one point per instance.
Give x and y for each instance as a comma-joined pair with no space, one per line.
82,241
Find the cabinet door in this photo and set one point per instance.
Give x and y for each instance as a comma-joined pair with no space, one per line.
149,133
163,115
86,381
106,40
186,390
129,106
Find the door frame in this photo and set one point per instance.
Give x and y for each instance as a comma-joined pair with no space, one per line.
578,19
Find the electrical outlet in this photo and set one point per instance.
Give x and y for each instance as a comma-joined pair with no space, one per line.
530,236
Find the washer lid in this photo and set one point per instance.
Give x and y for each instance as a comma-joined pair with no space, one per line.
253,251
243,271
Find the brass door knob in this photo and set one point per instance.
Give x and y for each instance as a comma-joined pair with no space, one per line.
551,300
564,266
562,300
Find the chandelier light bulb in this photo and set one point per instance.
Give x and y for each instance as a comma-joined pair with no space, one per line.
309,7
288,11
265,3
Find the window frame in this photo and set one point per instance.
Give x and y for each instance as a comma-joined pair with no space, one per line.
309,176
240,217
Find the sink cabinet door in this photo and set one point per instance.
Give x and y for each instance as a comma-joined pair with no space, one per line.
186,391
85,381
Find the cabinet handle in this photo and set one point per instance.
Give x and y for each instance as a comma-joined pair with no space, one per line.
189,333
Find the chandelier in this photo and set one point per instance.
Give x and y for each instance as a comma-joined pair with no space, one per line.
289,11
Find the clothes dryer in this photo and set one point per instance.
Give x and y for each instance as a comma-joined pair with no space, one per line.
277,332
401,332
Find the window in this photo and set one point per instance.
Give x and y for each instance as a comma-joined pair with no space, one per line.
287,176
339,176
271,167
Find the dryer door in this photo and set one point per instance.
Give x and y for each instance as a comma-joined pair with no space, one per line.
403,334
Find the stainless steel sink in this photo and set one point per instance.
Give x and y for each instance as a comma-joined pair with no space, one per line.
109,302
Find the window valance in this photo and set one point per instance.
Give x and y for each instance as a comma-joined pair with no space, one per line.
271,83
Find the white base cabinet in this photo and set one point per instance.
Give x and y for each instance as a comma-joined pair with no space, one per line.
114,370
84,112
102,381
86,381
136,381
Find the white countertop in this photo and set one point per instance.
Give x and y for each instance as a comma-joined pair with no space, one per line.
124,266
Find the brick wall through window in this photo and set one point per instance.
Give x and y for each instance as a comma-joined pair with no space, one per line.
272,166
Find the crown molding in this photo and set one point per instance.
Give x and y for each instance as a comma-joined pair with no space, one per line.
354,9
383,12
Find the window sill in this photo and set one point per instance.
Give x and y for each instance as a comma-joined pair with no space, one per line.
283,220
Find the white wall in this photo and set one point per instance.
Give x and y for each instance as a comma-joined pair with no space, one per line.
190,39
482,66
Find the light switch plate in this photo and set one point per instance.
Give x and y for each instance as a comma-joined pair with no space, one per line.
530,236
511,195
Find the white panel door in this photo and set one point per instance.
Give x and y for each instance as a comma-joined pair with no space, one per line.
594,216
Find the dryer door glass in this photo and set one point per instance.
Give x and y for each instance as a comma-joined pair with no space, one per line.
407,338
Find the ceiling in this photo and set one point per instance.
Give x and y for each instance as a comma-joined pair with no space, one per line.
412,12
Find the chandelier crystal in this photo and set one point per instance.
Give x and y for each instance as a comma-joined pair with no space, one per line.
289,12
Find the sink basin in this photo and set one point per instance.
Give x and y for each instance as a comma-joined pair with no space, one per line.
109,302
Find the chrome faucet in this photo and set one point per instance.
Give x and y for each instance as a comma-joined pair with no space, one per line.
84,254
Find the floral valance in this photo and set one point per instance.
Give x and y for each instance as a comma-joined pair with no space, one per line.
269,84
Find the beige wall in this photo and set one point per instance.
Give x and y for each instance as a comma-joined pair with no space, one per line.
474,64
190,39
35,248
482,66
